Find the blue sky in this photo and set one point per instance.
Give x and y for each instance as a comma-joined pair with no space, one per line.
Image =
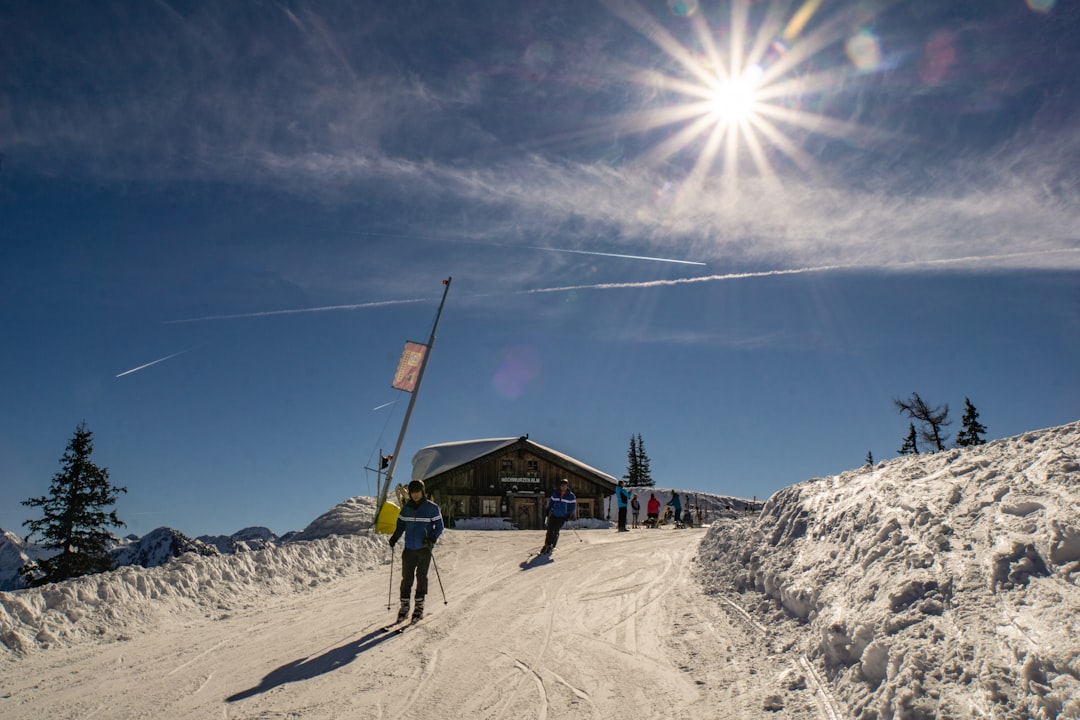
737,229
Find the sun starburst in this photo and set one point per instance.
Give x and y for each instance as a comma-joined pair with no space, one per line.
741,99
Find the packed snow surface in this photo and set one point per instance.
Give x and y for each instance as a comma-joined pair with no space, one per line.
930,586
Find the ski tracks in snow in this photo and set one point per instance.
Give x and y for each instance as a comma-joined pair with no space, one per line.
616,627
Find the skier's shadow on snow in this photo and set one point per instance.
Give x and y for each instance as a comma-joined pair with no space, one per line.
536,562
307,668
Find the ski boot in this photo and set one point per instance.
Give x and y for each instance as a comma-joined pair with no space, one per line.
418,610
403,611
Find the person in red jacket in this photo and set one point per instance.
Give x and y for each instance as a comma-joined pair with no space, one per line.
652,510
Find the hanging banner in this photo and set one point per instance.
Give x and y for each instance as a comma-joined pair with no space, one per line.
408,369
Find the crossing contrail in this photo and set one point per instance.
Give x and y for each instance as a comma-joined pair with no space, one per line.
154,362
414,236
296,311
615,255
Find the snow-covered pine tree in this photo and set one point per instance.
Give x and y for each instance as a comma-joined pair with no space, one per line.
972,431
75,522
910,447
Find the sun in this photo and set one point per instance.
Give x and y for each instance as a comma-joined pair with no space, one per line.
734,100
745,98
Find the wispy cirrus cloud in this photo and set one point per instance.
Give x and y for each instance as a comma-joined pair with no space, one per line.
318,101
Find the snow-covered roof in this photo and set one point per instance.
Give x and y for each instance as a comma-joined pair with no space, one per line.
435,459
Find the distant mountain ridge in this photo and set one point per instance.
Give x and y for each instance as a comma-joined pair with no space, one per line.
151,550
246,540
162,544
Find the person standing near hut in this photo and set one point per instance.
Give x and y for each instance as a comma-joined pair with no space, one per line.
652,511
622,497
676,504
421,522
561,506
635,510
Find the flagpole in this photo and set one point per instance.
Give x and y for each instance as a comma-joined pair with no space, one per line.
412,401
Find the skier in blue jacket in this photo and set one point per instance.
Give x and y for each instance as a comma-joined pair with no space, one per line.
421,522
561,506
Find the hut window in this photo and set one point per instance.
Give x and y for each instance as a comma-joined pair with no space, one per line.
508,465
489,506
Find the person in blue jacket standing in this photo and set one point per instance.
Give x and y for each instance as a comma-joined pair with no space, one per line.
561,506
421,522
622,496
676,503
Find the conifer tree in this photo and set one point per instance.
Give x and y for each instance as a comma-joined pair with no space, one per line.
633,470
644,478
76,521
909,447
972,430
638,473
869,459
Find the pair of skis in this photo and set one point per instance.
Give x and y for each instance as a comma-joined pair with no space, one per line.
402,625
537,556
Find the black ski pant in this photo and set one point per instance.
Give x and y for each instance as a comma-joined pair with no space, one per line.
622,518
414,563
554,525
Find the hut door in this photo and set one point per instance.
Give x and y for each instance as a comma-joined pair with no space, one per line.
525,513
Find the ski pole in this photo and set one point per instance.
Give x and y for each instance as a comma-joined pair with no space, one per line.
438,576
390,592
576,532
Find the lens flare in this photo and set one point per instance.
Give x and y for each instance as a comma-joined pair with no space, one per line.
521,365
864,51
1042,6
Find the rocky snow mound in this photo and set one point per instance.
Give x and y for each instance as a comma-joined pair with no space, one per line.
930,586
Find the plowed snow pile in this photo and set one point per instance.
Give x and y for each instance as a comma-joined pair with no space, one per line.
930,586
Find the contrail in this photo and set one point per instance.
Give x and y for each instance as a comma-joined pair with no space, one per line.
646,284
615,255
380,407
325,308
684,281
414,236
796,271
155,362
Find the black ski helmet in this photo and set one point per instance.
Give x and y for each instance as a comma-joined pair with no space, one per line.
416,486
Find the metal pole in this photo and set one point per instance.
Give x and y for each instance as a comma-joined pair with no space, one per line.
412,401
439,577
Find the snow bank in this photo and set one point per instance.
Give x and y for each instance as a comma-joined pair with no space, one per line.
930,586
348,517
109,606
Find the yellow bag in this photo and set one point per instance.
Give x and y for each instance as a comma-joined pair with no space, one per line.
386,522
